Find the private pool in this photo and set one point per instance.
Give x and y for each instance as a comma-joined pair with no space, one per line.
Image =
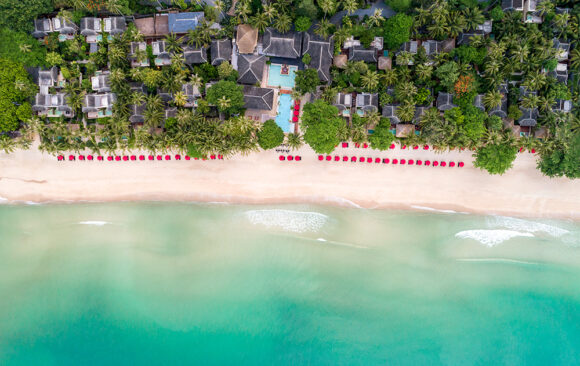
285,113
275,78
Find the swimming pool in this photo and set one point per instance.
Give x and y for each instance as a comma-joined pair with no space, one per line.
283,81
285,113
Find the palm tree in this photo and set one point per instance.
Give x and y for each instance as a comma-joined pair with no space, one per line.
535,80
521,52
180,99
270,11
327,6
457,24
545,103
530,101
173,43
7,144
575,59
405,91
492,99
406,111
294,141
341,35
390,77
195,80
25,47
376,19
117,78
322,28
137,98
438,30
404,58
423,72
260,21
173,82
350,6
370,80
473,18
373,118
544,7
283,23
243,10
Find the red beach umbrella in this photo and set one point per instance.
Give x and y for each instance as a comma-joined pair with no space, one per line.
133,158
281,158
357,145
290,157
521,149
345,144
125,158
415,147
426,147
60,158
212,157
167,157
328,158
361,159
392,146
435,163
365,145
427,162
377,160
220,157
411,162
403,161
353,159
159,157
177,157
81,157
298,158
386,160
187,157
337,158
117,158
109,158
419,162
151,157
533,151
99,158
443,164
369,160
141,157
320,157
89,157
404,147
460,164
71,157
345,158
395,161
296,113
294,119
451,164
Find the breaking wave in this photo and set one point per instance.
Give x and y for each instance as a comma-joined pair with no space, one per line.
491,237
94,223
295,221
425,208
526,226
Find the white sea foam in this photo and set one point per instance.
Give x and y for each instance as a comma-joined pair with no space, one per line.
491,237
321,239
496,260
32,203
295,221
526,226
424,208
343,202
3,200
94,223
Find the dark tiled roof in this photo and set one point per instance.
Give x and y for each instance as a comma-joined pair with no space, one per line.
281,44
501,110
320,51
258,98
390,112
137,112
359,53
512,4
118,25
369,102
42,27
250,68
478,102
562,105
195,55
90,26
343,101
529,117
465,38
445,101
221,50
64,26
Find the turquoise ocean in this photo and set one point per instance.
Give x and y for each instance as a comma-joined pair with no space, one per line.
216,284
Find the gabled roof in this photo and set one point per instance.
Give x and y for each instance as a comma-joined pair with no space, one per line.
90,26
529,117
343,101
100,83
278,44
94,102
445,101
194,55
390,112
419,111
182,22
63,26
432,47
501,110
139,87
486,27
115,25
562,105
250,68
524,92
517,5
359,53
369,102
47,77
258,98
562,49
320,51
45,101
137,46
221,50
478,102
42,27
190,90
170,113
246,38
411,46
158,48
137,113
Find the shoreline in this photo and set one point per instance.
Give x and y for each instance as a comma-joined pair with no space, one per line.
260,179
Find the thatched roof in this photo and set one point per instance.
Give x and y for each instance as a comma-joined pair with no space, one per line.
246,38
340,61
385,63
405,129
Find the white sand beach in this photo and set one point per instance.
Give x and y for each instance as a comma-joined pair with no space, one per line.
262,178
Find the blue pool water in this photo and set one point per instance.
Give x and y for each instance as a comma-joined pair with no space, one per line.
285,113
284,81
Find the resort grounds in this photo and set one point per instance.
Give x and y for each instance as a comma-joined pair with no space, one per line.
258,178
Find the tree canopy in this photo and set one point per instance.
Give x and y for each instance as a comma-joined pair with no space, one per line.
19,14
397,31
227,96
306,81
322,126
496,158
15,89
382,137
562,159
270,135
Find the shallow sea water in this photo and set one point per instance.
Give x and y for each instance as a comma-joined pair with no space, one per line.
173,284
